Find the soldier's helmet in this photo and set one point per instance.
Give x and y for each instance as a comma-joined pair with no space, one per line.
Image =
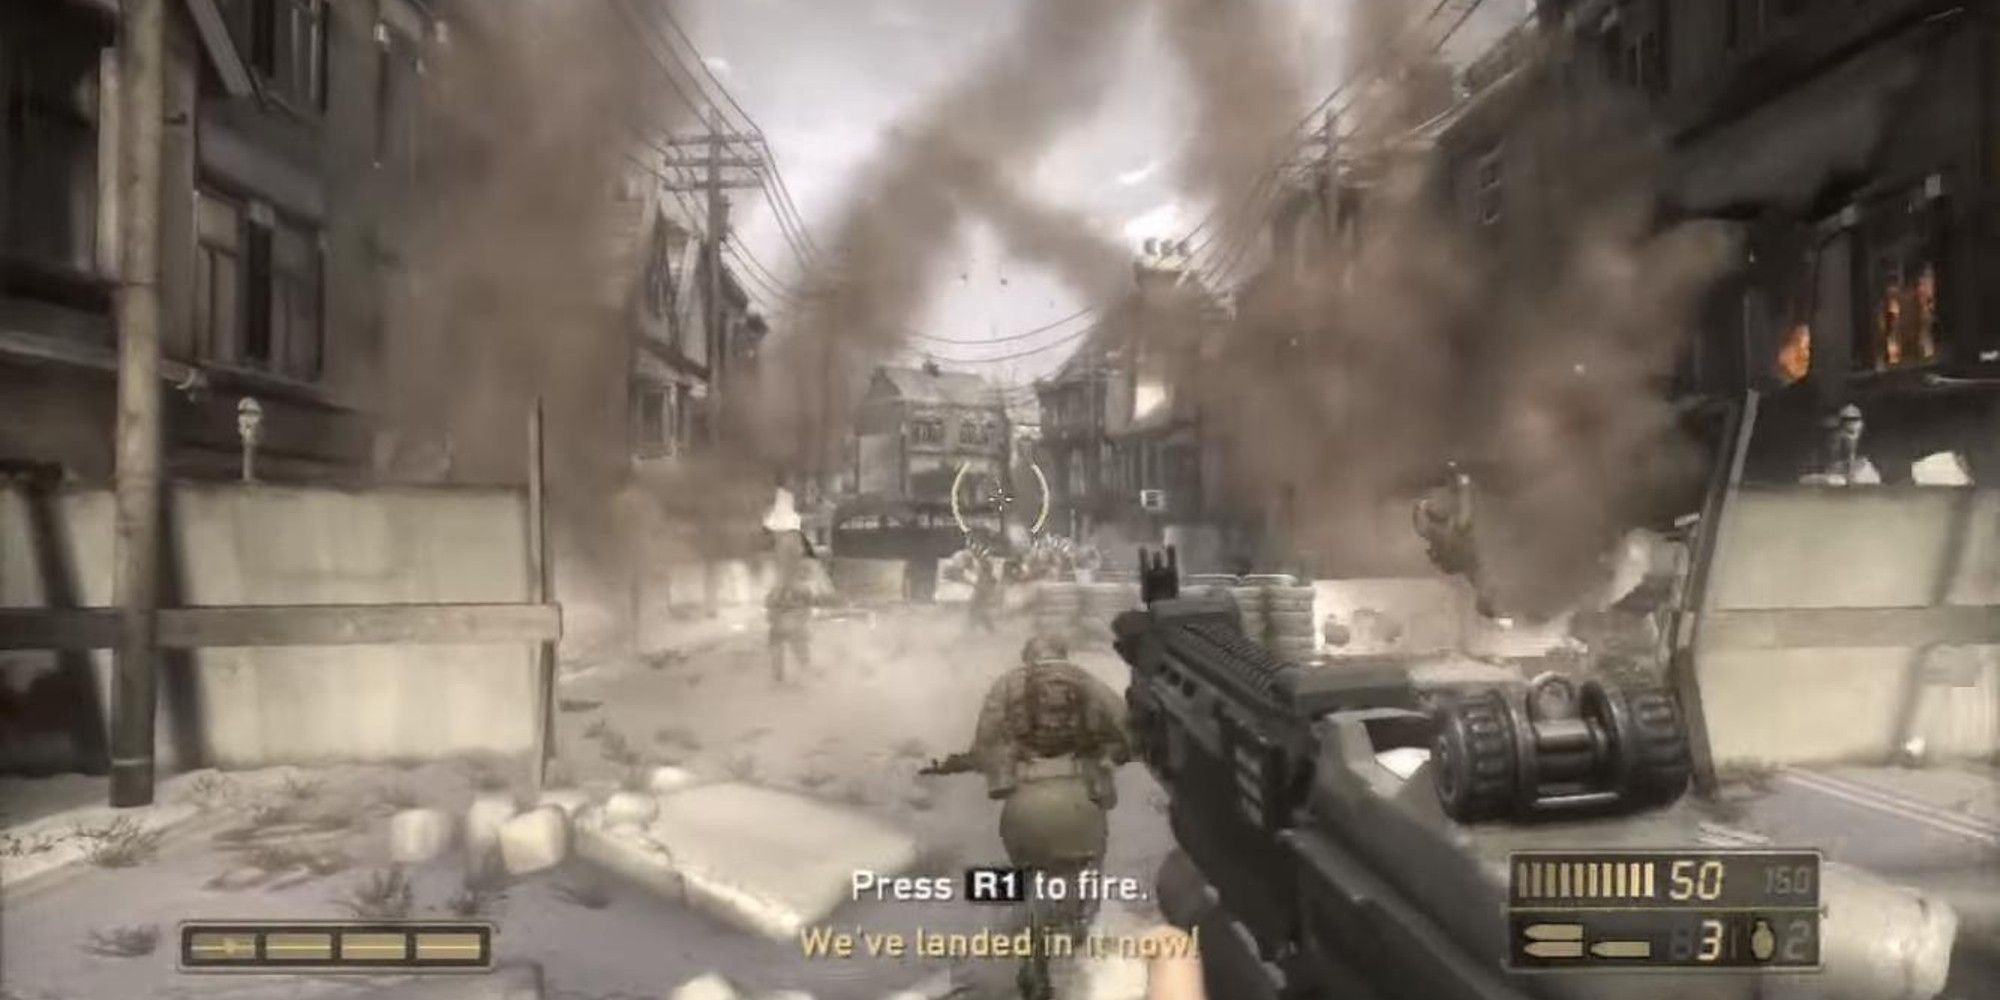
1045,649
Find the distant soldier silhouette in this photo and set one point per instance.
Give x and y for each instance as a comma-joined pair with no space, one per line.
989,595
788,606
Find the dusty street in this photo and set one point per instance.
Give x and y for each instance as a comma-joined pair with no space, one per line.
290,844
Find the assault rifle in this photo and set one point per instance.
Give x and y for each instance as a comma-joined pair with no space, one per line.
1287,909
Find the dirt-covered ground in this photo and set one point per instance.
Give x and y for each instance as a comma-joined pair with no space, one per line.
885,694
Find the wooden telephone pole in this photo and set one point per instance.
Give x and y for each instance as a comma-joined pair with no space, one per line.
135,583
707,176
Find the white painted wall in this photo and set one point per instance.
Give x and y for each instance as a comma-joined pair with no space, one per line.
285,545
1860,547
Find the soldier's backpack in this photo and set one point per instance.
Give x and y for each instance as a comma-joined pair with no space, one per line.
1050,715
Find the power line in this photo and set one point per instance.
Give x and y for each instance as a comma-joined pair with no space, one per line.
1064,341
661,50
1264,186
782,201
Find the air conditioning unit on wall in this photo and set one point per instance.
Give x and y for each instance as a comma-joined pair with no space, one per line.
1153,500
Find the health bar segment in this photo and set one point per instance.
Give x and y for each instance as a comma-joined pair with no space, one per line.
336,947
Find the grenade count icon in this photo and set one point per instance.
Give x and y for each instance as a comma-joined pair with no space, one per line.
1763,943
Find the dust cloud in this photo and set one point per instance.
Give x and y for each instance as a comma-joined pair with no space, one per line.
1247,93
518,269
899,223
1537,354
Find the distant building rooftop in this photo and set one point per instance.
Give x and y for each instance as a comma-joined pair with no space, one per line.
934,385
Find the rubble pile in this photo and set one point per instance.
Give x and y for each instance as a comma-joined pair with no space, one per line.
765,861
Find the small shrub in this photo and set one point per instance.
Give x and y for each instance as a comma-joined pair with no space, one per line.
742,767
324,863
856,794
484,777
210,790
302,789
679,736
269,814
124,942
482,891
577,704
123,843
384,895
16,846
814,779
615,749
597,729
397,797
637,778
591,895
276,858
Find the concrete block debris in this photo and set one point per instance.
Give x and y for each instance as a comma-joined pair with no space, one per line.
535,840
708,987
483,820
667,779
631,809
570,800
418,835
766,861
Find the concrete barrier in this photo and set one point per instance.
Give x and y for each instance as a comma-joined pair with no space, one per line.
1875,547
236,544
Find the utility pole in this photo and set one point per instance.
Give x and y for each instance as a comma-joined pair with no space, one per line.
135,583
711,181
718,227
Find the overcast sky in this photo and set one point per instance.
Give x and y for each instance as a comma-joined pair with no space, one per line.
826,78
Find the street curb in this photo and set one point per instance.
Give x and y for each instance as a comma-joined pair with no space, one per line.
178,824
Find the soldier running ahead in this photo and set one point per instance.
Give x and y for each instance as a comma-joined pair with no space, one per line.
1049,739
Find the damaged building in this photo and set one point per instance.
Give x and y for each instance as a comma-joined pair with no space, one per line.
1852,151
1123,451
291,139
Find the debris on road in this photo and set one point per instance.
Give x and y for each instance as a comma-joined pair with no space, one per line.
535,840
762,860
708,987
483,820
418,835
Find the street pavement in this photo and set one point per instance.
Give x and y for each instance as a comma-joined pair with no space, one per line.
885,693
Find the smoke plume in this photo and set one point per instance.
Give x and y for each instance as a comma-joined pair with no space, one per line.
884,249
1535,350
520,267
1247,94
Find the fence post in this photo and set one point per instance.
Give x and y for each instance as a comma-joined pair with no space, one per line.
540,591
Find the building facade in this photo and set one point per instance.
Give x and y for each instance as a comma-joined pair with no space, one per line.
295,168
931,462
1123,451
291,137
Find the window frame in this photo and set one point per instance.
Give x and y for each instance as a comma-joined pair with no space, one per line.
291,346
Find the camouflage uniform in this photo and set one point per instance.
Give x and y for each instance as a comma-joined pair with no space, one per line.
1049,738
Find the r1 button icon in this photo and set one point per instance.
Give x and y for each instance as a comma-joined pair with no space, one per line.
996,885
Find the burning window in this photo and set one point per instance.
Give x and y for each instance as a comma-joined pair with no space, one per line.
1794,360
1902,322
